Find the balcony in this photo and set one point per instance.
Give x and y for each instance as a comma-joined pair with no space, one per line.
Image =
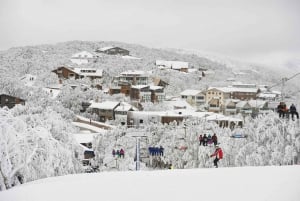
213,109
230,110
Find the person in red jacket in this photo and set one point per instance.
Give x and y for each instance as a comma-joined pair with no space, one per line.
218,154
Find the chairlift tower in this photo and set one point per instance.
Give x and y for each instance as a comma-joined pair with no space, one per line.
283,81
137,150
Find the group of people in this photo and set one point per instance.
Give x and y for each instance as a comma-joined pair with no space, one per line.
156,151
208,139
284,111
119,153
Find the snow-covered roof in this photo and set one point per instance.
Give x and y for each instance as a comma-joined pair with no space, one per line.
155,87
257,103
172,64
190,92
105,48
84,137
228,101
243,85
89,72
267,95
193,70
242,104
83,55
52,92
125,107
132,72
234,89
223,89
107,105
139,86
246,90
178,103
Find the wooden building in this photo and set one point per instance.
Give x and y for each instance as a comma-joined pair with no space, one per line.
78,73
105,110
159,82
157,94
113,51
140,93
10,101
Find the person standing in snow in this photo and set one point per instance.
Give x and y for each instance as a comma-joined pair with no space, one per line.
209,139
122,153
293,111
218,155
161,151
215,139
118,153
200,140
113,152
205,140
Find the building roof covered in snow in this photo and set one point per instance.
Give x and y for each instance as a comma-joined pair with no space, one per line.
190,92
83,55
172,64
257,103
234,89
155,87
106,105
139,86
89,72
133,73
105,48
125,107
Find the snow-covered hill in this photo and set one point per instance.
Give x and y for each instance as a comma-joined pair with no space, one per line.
223,184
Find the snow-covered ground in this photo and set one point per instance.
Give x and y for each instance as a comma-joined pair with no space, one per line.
271,183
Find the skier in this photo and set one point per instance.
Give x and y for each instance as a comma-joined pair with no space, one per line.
293,111
218,154
118,153
113,152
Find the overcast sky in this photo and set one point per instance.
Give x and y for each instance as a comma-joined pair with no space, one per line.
245,29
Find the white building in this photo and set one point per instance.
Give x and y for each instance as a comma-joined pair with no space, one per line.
83,57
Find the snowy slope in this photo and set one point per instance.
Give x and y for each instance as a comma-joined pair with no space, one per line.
234,184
